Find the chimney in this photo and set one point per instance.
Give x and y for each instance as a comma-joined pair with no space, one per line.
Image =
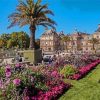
98,25
61,32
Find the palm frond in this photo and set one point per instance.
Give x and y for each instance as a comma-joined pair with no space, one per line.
48,12
47,24
51,21
41,8
38,2
32,13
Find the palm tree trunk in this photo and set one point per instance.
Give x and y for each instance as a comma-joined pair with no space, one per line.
72,46
66,47
32,36
93,48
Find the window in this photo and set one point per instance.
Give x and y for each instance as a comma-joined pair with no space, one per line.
42,43
50,43
82,38
46,43
46,48
51,38
47,38
97,36
73,43
49,49
86,43
81,48
86,48
64,43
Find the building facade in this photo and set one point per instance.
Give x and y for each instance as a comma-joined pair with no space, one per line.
79,41
49,41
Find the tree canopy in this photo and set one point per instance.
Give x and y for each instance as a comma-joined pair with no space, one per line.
15,39
32,13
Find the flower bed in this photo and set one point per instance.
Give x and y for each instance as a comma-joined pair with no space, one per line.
84,70
68,70
20,83
53,93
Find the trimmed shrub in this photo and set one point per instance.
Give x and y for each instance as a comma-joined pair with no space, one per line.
68,70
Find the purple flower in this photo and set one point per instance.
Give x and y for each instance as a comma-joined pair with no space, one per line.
26,98
84,70
16,81
54,73
1,83
18,65
8,74
8,68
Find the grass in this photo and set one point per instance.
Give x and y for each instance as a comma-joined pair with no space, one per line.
87,88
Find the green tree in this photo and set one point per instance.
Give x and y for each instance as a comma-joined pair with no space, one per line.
94,41
65,39
14,39
1,43
20,39
5,37
33,14
11,43
23,40
72,43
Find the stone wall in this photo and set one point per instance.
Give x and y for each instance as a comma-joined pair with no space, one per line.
34,56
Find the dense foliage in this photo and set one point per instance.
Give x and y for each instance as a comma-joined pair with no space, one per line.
80,60
15,39
68,70
32,13
20,83
84,70
44,82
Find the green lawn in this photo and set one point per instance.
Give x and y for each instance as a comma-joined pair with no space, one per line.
87,88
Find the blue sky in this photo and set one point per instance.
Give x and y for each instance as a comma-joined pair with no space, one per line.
83,15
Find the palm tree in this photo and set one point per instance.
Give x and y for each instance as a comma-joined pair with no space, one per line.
66,39
94,41
32,13
72,43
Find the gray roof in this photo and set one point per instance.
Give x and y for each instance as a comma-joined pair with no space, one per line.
78,33
98,30
61,34
50,32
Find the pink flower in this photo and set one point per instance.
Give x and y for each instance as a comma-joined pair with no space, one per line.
8,68
26,98
1,83
18,65
8,74
76,76
84,70
16,81
54,73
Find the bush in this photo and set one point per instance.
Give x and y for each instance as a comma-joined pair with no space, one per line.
84,70
68,70
18,83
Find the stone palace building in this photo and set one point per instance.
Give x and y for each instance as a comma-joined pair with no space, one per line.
51,41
